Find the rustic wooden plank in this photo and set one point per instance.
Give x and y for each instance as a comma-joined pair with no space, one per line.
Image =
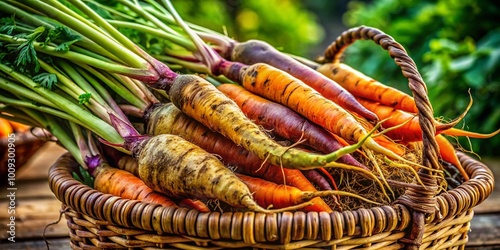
494,247
31,217
485,231
491,204
55,244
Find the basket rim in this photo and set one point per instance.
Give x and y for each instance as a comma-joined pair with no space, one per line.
393,217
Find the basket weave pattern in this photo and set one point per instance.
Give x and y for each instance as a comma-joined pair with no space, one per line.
105,221
418,219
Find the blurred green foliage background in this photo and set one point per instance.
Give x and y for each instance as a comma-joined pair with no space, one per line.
286,24
455,44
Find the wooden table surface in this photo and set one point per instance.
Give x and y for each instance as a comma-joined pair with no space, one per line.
37,207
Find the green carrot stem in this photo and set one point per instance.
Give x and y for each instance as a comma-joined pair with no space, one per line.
80,141
82,82
37,21
42,109
55,128
205,33
96,103
131,93
63,8
67,18
198,67
137,87
14,8
177,39
99,55
181,54
210,57
72,89
139,10
19,90
114,33
140,74
17,115
97,125
102,92
65,139
111,10
164,15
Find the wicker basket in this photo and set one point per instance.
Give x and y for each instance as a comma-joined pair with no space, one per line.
25,144
418,219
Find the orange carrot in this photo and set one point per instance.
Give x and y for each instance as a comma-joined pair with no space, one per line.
383,139
5,128
411,131
19,127
270,194
447,152
255,51
285,122
124,184
363,86
280,87
194,204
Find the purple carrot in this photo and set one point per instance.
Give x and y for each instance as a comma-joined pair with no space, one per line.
321,181
256,51
317,179
285,122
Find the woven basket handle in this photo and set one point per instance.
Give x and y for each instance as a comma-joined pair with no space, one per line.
421,199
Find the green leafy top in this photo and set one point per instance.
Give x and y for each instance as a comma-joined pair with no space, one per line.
63,34
26,53
46,80
8,24
84,98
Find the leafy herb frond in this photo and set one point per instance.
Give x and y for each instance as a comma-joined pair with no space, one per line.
84,98
8,24
63,34
26,51
46,80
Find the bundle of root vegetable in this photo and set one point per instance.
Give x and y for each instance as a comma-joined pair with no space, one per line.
241,127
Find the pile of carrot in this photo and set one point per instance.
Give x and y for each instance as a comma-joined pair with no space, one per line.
214,119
